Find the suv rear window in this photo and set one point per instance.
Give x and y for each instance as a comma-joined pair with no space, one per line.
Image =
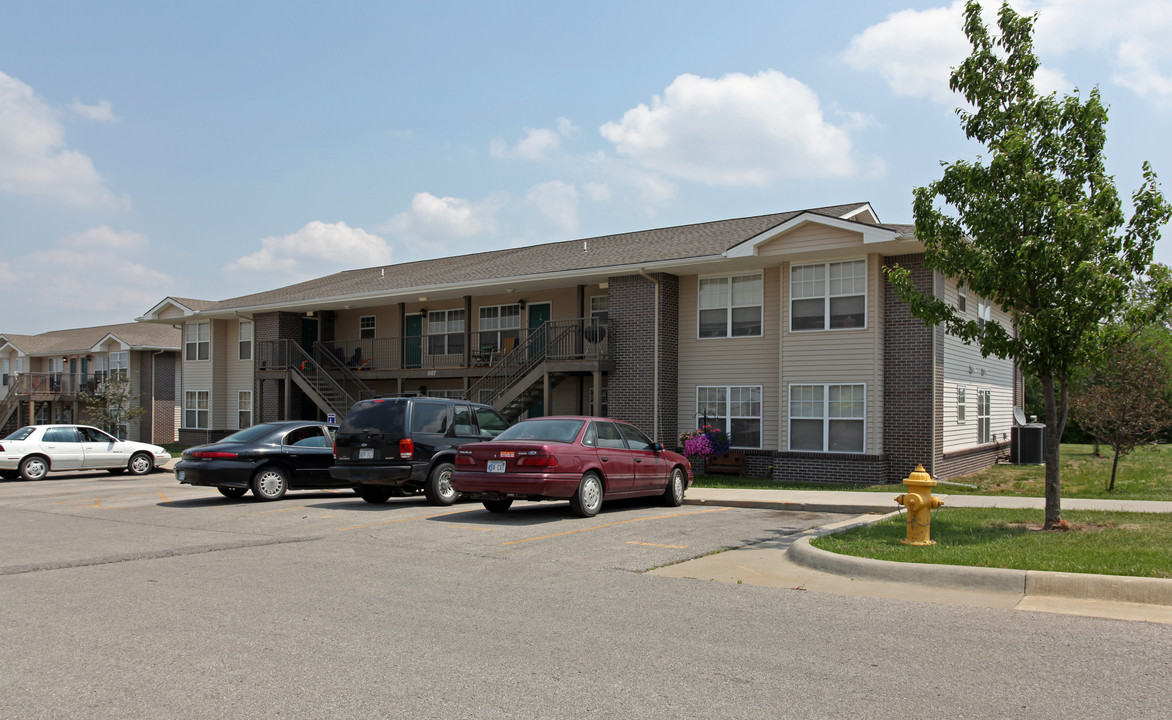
376,416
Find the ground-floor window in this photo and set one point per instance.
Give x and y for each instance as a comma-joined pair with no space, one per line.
196,405
984,415
827,418
736,409
244,405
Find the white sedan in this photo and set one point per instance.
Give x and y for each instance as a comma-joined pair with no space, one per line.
32,451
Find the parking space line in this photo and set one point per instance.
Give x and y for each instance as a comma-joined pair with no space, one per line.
399,520
620,522
165,498
674,547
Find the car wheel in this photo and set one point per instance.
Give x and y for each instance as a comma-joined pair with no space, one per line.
34,468
269,483
588,500
374,493
140,464
116,471
232,492
439,485
498,506
673,495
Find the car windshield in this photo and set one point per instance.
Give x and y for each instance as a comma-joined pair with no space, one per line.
249,434
548,430
21,434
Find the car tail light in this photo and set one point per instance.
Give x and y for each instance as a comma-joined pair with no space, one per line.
335,450
465,459
537,461
406,448
213,455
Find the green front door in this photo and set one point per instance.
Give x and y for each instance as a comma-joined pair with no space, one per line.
413,341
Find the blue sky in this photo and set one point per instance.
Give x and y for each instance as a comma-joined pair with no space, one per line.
216,149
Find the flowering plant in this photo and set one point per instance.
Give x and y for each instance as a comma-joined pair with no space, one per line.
706,441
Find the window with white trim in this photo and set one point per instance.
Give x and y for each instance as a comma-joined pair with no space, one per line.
962,297
366,327
828,296
961,407
730,306
56,365
600,308
984,313
736,409
498,322
244,336
196,407
120,364
984,416
244,409
827,418
445,332
197,341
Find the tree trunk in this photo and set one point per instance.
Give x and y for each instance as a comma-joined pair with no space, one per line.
1114,467
1050,454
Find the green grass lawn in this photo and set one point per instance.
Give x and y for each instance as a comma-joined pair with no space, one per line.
1145,474
1107,543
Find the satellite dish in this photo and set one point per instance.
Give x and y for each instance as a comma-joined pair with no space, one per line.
1019,416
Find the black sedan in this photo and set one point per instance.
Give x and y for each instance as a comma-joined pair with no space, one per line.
269,459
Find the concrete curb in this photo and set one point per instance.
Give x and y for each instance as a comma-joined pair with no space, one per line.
797,506
1113,588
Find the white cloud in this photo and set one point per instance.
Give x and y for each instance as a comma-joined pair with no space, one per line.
34,160
735,130
538,144
914,50
313,251
557,202
102,112
97,276
433,224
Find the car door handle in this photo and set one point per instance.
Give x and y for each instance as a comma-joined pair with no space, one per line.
638,460
604,459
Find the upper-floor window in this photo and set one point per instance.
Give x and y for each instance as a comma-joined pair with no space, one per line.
730,306
119,363
445,332
962,297
829,295
600,308
961,406
827,418
56,365
197,344
366,327
245,339
499,323
984,312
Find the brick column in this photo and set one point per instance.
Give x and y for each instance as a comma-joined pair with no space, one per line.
631,387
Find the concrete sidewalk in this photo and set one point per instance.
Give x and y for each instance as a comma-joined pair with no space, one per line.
794,563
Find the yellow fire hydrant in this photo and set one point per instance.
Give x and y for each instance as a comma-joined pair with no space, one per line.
919,502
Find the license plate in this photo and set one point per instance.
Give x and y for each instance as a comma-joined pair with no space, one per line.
366,453
496,466
181,474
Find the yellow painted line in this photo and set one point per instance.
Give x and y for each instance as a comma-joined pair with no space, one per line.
165,498
477,529
606,525
675,547
399,520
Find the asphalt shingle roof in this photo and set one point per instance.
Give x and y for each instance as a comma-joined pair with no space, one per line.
80,340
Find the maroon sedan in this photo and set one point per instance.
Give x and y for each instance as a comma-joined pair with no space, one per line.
582,459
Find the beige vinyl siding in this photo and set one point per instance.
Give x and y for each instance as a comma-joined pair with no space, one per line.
171,312
740,361
238,374
813,237
198,374
964,366
845,356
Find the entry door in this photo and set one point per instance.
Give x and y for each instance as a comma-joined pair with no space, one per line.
413,341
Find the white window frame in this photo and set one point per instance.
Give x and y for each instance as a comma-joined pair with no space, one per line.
56,365
244,409
961,404
197,407
720,409
984,416
600,307
728,302
826,417
244,337
367,327
820,286
493,326
962,297
984,312
444,328
197,341
120,364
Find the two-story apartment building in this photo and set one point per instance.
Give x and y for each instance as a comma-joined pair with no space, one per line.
779,328
43,378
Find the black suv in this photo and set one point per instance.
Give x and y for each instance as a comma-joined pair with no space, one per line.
399,445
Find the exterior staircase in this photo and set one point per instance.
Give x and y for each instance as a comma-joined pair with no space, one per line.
324,378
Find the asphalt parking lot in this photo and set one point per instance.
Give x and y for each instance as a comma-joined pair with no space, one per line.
140,598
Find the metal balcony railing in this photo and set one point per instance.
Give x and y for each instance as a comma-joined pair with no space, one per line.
23,384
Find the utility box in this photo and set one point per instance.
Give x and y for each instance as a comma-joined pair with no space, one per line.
1027,444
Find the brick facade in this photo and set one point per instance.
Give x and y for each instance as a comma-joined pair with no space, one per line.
269,394
631,389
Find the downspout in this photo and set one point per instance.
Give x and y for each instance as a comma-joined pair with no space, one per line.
654,359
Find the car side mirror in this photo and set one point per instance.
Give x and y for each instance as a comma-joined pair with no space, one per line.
656,448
